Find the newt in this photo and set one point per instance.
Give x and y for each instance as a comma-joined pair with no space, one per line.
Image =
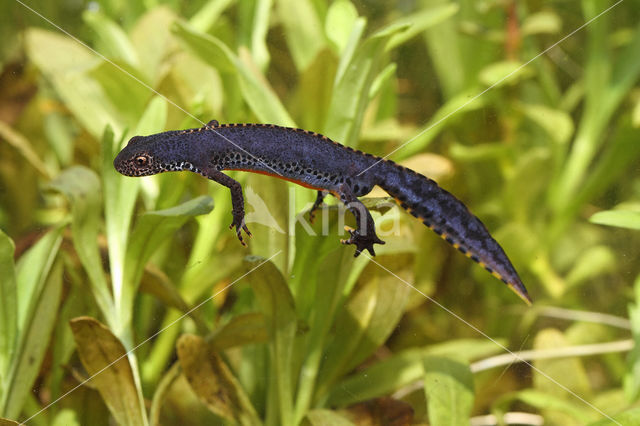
315,161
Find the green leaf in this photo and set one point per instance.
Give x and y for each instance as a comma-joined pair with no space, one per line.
207,16
120,193
113,42
101,352
504,73
82,188
544,22
448,385
341,18
32,271
321,417
151,230
547,403
569,372
626,418
241,330
368,318
556,123
402,369
620,218
353,84
631,381
69,75
303,29
450,111
23,146
256,91
8,308
276,302
420,21
34,340
152,39
213,382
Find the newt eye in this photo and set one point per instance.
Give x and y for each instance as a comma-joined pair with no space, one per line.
141,160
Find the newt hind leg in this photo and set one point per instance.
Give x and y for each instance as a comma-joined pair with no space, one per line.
364,237
316,205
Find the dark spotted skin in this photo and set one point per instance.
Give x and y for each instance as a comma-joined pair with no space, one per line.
316,162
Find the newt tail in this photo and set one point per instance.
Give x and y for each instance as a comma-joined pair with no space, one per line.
315,161
448,217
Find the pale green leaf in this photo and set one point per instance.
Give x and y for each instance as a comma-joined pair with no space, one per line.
619,218
113,42
504,73
82,188
207,16
448,385
420,21
303,30
341,18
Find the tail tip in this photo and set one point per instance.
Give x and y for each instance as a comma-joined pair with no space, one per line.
521,291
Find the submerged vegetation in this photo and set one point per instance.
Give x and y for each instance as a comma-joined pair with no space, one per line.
140,283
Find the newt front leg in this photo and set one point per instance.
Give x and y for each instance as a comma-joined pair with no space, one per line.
237,201
364,237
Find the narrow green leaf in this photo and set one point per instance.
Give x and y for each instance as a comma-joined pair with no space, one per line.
213,382
448,385
547,402
207,16
259,32
556,123
206,47
450,111
626,418
82,188
353,84
402,369
120,194
631,381
8,308
151,230
69,75
320,417
276,302
543,22
35,336
341,18
504,73
101,352
32,270
112,40
303,29
23,146
421,21
621,218
151,37
256,90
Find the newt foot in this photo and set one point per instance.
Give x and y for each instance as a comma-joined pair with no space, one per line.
361,242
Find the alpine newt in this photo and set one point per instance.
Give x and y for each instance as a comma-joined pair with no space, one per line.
314,161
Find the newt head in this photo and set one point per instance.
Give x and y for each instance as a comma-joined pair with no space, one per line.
136,159
150,155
